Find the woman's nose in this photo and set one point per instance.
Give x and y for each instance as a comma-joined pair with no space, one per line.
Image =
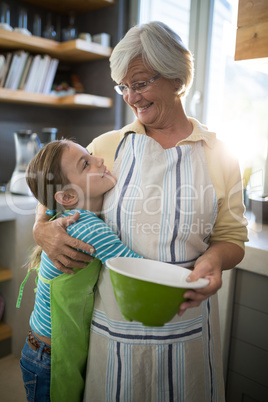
131,96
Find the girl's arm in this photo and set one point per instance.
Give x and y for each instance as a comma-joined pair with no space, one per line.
61,248
94,231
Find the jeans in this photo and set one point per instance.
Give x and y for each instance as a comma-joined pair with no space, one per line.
36,368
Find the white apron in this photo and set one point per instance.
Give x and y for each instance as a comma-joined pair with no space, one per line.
163,207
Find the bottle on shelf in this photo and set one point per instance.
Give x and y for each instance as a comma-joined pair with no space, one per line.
5,17
23,22
47,135
50,31
71,31
37,25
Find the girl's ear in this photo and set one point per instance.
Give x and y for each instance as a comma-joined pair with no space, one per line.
67,198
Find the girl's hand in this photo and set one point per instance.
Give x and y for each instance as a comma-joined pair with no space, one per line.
58,245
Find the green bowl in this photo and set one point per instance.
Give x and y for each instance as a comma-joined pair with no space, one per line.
149,291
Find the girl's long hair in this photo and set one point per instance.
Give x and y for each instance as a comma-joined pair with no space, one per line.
44,174
44,178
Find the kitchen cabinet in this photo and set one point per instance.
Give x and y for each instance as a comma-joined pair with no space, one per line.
82,116
65,6
248,355
71,51
16,242
90,62
5,274
252,33
5,329
243,305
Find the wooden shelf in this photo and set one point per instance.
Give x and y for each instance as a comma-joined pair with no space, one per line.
5,274
70,101
65,6
5,331
252,42
252,34
72,51
252,12
80,50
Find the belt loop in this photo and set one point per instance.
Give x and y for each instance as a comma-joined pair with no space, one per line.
40,352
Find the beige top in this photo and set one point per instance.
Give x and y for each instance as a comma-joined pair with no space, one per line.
223,168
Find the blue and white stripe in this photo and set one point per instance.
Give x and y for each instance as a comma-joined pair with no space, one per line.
135,333
169,355
187,199
209,347
175,183
91,230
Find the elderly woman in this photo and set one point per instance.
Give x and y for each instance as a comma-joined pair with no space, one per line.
178,200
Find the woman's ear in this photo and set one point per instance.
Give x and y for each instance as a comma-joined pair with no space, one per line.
67,198
178,86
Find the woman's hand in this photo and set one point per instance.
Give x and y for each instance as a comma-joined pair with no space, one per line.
204,268
58,245
218,257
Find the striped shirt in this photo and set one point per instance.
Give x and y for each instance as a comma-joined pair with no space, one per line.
92,230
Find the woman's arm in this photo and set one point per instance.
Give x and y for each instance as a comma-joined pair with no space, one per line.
218,257
57,244
229,233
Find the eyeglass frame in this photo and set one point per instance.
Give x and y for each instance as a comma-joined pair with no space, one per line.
120,92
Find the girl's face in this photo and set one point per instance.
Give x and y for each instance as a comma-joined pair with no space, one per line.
87,175
157,107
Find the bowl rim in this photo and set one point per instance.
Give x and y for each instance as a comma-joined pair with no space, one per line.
200,283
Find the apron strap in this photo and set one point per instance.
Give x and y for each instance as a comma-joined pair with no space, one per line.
121,142
47,281
23,284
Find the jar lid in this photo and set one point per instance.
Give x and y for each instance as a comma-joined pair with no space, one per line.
50,130
24,133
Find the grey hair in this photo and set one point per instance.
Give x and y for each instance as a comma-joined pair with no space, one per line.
161,49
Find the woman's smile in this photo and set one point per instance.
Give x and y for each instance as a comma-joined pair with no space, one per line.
141,109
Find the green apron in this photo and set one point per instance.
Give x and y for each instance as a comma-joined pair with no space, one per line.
72,300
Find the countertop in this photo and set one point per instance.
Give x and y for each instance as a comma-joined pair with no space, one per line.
256,253
12,205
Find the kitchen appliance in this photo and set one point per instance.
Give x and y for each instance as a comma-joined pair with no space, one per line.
27,145
259,207
47,135
7,158
259,201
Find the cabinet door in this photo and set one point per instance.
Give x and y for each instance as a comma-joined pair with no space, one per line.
248,360
241,389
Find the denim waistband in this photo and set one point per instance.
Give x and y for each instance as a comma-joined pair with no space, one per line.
37,343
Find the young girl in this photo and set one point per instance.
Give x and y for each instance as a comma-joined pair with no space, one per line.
65,178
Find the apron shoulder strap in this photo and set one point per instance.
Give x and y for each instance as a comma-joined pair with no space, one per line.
121,143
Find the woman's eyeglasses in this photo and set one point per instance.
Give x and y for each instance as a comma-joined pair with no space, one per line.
139,87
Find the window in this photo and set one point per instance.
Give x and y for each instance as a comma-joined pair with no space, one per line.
176,14
228,96
237,101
